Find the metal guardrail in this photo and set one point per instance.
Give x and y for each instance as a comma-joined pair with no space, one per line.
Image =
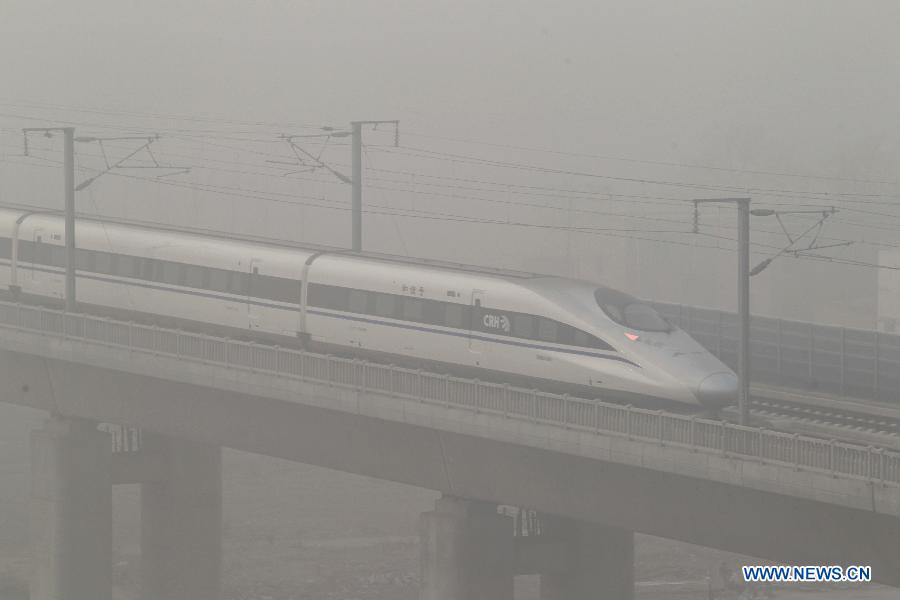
856,363
800,452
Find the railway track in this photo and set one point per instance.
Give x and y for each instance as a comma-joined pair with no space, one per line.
824,416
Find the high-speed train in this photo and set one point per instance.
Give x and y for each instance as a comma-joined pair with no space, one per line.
543,331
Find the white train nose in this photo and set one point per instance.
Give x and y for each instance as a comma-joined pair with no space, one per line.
718,390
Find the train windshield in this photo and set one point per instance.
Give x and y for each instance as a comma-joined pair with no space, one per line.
629,311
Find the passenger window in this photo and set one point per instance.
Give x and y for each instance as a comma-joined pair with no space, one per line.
42,253
171,273
84,260
218,280
102,263
412,309
57,256
434,312
240,284
194,276
25,252
126,266
263,286
384,305
5,247
359,301
147,267
547,330
580,339
454,316
274,288
523,326
328,296
285,290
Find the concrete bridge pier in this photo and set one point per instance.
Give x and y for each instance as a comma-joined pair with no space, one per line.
71,511
598,561
181,521
467,552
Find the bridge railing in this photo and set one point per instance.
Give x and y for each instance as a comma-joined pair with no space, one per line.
856,363
594,416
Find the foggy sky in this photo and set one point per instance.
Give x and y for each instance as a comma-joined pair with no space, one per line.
799,87
788,86
697,80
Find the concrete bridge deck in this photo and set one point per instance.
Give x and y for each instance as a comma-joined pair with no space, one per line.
747,490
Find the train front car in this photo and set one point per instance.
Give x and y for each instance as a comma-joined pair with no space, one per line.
663,348
660,360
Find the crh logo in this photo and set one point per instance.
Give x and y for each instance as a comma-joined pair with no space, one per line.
496,322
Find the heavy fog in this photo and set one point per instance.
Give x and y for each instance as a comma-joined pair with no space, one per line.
651,103
562,138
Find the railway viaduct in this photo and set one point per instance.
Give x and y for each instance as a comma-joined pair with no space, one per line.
596,473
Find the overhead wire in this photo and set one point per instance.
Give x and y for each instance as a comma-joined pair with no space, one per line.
457,196
449,217
682,222
482,160
652,162
106,111
158,115
192,118
773,192
508,186
383,210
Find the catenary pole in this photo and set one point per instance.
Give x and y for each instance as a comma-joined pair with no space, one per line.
743,205
69,202
69,160
743,288
357,182
357,186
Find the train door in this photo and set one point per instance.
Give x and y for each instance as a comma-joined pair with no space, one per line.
253,307
476,345
36,276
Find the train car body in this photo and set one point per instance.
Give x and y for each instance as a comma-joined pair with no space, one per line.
523,328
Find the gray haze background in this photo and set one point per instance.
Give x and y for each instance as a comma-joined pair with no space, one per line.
628,92
752,88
